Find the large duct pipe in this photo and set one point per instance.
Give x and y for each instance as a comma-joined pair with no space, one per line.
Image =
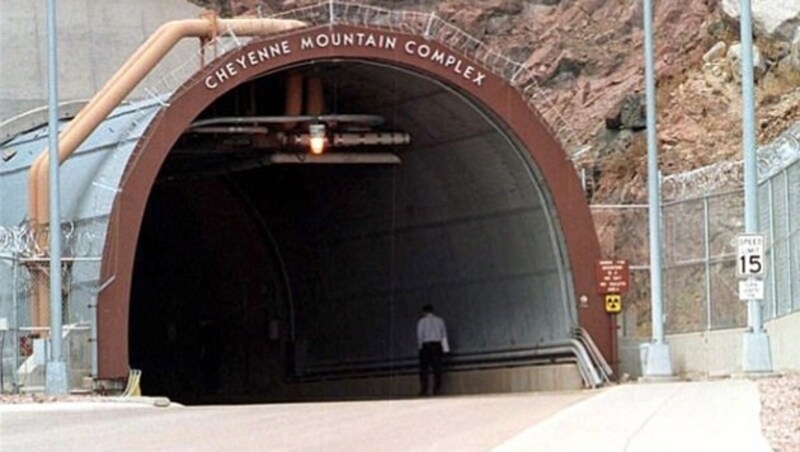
138,65
294,98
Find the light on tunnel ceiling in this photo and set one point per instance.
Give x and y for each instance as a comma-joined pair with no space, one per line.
316,133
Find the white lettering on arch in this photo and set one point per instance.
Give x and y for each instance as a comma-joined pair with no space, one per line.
425,50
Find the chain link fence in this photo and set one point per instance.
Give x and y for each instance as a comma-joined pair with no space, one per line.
702,215
700,285
25,274
24,344
780,221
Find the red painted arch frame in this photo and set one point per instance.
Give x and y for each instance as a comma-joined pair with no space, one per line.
494,94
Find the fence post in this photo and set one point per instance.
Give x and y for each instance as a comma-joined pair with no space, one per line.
788,243
789,240
773,269
15,301
429,24
707,261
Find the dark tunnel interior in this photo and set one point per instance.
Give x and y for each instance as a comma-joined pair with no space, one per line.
253,277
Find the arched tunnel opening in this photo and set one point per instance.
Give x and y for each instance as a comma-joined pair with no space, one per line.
257,278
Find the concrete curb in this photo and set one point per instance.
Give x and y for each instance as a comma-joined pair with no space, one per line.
158,402
659,379
753,376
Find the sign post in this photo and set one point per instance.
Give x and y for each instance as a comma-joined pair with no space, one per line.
756,340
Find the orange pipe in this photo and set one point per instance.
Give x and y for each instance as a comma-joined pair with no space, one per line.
125,80
34,199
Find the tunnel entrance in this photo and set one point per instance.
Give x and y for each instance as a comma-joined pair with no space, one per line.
241,268
248,279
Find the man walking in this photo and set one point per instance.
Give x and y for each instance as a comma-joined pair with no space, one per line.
432,343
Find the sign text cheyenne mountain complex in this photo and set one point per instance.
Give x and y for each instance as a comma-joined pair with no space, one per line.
417,47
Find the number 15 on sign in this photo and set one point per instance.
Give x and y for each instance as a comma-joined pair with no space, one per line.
750,255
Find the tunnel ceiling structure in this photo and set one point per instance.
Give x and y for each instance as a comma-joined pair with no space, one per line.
211,244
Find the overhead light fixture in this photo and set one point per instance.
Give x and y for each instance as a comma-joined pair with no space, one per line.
316,140
332,158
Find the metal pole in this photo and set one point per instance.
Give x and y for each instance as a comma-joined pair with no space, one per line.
2,361
15,301
756,342
788,243
707,259
659,362
56,370
93,306
772,249
583,179
93,340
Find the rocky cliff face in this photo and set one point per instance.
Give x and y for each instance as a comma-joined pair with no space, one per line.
588,57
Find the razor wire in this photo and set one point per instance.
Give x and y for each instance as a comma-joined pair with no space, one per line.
703,215
729,175
24,241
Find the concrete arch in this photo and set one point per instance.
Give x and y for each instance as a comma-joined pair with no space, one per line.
478,84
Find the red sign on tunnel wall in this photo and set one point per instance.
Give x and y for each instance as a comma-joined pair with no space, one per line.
612,276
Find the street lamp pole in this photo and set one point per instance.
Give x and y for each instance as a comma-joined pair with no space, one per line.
56,369
756,341
659,362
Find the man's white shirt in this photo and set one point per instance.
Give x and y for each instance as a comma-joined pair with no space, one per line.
431,328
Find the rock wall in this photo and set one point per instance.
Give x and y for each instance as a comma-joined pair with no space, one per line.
771,18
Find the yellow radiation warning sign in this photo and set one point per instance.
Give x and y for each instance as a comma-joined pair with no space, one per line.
613,303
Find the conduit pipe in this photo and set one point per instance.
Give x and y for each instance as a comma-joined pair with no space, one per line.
118,87
125,80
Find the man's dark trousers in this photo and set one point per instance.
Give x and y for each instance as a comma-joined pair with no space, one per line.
430,356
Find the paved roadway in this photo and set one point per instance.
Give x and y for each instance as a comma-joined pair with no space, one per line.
711,416
474,423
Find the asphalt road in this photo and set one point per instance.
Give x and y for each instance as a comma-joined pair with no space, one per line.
705,416
467,423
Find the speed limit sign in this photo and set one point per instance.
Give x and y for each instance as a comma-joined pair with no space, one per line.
750,255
